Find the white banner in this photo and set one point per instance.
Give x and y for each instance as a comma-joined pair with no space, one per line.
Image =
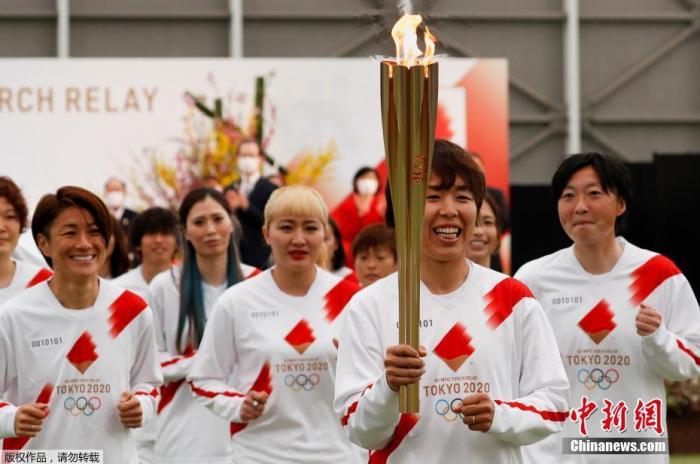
82,120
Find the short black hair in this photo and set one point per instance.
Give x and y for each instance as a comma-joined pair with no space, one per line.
612,172
450,161
13,195
372,237
52,205
361,172
338,258
152,221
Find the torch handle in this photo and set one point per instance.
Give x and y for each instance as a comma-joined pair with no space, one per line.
409,108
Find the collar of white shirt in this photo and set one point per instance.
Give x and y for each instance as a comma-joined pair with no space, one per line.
247,184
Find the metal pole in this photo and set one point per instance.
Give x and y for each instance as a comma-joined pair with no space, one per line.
572,76
63,29
236,28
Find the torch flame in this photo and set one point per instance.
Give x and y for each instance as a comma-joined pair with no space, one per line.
429,46
406,40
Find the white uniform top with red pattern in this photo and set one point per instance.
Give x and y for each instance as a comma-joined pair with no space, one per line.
79,362
284,345
187,432
593,317
26,275
133,280
145,435
488,336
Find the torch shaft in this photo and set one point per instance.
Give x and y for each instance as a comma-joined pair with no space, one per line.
409,105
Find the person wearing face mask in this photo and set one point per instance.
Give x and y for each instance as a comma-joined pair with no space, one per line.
364,207
247,197
115,195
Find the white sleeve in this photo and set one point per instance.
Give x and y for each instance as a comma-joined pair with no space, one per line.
146,376
673,350
8,371
369,409
542,407
173,366
214,364
524,276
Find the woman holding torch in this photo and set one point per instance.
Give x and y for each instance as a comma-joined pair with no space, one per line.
278,334
78,361
488,378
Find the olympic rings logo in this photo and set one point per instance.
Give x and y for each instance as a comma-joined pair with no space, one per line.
446,409
596,377
82,405
301,382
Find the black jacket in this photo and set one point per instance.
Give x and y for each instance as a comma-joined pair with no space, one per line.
254,250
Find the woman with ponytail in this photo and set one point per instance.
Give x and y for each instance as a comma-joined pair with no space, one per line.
182,299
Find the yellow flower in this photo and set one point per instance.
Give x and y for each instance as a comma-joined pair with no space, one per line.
166,174
311,167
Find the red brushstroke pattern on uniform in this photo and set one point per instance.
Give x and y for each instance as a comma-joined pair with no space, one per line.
300,334
17,443
406,423
688,351
153,393
647,277
554,416
167,393
83,353
599,318
262,384
456,342
124,310
39,277
177,359
338,296
353,407
211,394
253,273
502,299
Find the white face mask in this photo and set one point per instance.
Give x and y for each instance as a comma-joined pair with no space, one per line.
367,186
248,165
114,199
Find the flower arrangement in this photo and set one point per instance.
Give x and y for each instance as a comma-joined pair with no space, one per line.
207,151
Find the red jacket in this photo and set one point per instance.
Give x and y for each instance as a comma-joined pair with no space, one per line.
351,223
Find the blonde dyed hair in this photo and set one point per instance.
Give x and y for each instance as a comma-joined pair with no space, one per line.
295,200
299,200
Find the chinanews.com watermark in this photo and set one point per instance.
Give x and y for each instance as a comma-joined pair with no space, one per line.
614,446
52,456
646,417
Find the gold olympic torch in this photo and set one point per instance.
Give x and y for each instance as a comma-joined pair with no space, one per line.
409,105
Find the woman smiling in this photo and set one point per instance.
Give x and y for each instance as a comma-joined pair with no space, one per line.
76,346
